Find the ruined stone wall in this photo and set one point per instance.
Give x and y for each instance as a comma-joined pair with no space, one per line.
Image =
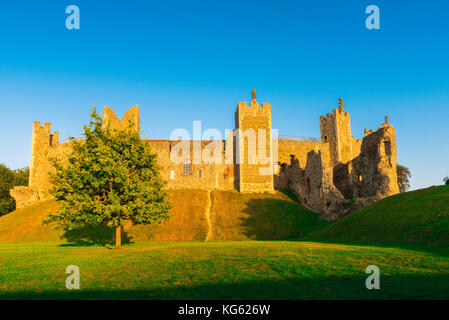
374,171
356,146
335,190
334,177
300,149
131,119
24,196
291,151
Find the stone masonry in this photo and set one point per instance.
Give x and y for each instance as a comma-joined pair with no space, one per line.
333,175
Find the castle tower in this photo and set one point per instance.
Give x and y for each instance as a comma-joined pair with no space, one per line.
336,129
42,141
254,167
130,118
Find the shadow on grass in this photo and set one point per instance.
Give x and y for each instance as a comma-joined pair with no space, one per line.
430,249
93,236
277,219
291,195
414,286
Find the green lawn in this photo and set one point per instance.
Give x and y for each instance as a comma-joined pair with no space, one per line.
221,270
419,217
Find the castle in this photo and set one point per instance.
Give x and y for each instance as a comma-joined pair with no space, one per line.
332,175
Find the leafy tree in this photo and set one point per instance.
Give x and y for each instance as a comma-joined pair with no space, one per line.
6,183
403,178
108,178
8,180
21,176
446,180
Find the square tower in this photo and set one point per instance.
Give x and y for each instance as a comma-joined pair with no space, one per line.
335,129
254,161
41,144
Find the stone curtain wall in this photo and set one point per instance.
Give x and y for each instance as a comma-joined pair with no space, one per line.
335,176
203,175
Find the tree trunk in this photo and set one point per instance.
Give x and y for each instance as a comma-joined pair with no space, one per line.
118,237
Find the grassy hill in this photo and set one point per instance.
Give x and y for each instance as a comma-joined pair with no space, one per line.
260,216
233,216
418,217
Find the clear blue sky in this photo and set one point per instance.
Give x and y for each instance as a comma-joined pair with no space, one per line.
194,60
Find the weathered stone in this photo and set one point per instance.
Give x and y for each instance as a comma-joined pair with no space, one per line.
334,176
131,119
346,174
24,196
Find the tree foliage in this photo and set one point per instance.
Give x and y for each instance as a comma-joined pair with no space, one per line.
108,178
21,176
403,178
8,180
446,180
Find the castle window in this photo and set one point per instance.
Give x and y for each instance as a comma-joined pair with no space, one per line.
172,174
360,178
387,145
308,185
200,174
325,138
186,167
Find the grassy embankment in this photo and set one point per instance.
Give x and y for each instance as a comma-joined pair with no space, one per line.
415,265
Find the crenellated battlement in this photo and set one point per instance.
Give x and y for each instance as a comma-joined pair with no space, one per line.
255,109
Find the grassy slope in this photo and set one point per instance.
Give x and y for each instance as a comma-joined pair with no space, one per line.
259,216
418,217
187,221
25,224
234,216
220,270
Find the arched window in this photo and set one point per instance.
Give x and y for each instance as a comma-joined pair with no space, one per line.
387,146
186,167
